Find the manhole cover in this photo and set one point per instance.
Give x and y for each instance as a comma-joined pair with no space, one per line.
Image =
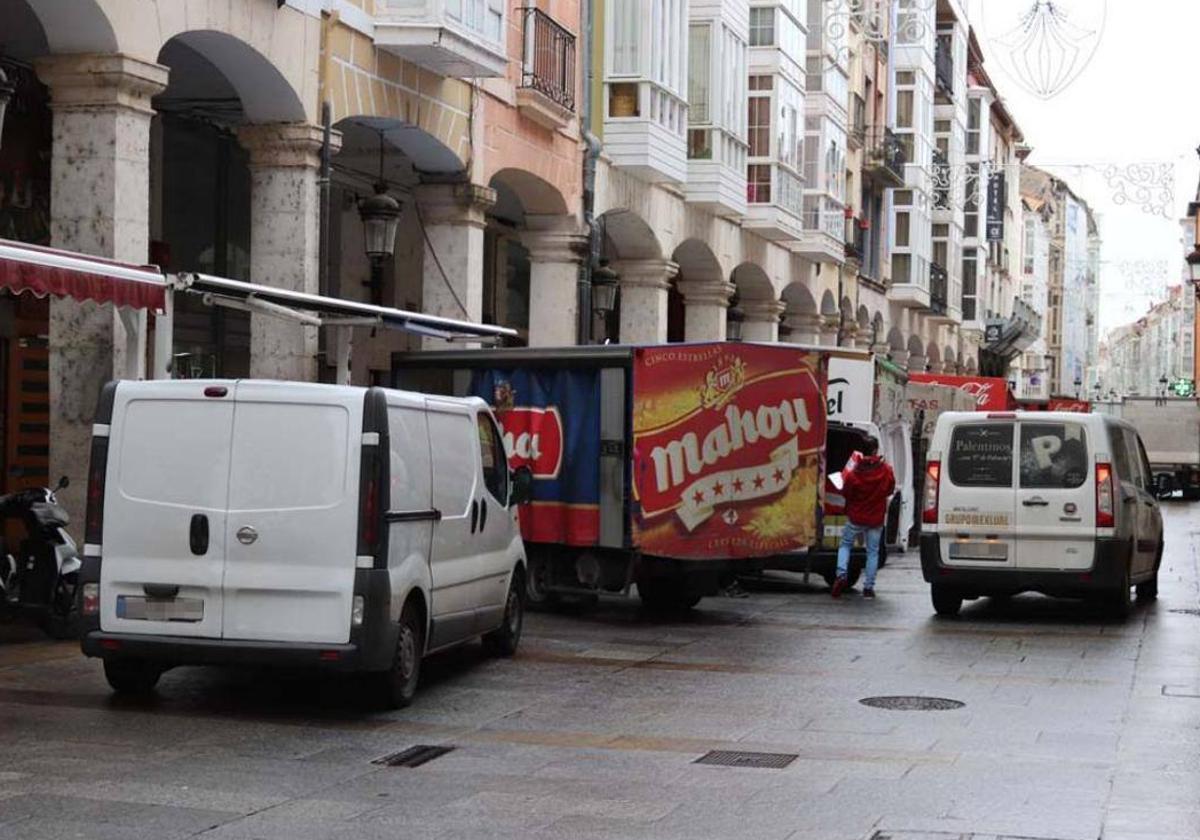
732,758
413,756
904,703
1186,612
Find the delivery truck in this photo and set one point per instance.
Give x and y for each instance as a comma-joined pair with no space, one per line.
1170,429
673,467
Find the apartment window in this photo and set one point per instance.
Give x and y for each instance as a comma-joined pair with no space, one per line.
700,144
906,77
902,198
762,27
904,108
758,183
762,82
974,111
484,16
790,141
759,125
970,283
903,229
625,22
901,268
971,218
1030,235
699,73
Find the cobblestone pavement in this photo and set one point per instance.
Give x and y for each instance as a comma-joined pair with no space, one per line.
1072,729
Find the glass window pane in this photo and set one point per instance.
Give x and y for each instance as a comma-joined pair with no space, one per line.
699,73
904,109
981,455
1055,455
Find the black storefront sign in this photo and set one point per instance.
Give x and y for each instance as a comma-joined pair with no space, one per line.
997,199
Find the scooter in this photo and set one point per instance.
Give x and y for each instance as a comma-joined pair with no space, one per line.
41,577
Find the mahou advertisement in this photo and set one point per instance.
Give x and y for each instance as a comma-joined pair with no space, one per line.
728,441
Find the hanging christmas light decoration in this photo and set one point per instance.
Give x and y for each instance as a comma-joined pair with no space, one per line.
1051,45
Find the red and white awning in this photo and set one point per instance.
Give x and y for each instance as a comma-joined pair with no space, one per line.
49,271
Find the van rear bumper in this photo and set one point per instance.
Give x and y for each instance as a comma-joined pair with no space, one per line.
1107,572
181,650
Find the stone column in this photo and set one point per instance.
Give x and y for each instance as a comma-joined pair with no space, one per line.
455,216
880,349
556,253
936,367
917,363
900,357
761,320
829,330
644,287
805,327
284,244
706,307
100,205
862,338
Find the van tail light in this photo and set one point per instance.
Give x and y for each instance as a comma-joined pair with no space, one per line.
368,503
933,475
1105,503
89,602
97,471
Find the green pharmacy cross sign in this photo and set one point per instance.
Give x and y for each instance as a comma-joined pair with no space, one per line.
1183,388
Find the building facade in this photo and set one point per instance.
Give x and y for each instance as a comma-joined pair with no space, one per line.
1151,356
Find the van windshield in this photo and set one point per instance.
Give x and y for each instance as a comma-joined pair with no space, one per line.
981,455
1053,455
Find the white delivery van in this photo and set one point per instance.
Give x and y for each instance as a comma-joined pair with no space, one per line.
294,524
1051,502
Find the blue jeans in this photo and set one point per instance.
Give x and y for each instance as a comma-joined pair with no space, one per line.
874,540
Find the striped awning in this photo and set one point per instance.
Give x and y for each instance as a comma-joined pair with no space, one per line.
66,274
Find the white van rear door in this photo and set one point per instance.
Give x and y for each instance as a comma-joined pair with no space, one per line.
293,513
1056,497
977,518
166,490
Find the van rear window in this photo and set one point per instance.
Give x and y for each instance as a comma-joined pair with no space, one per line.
1053,455
981,455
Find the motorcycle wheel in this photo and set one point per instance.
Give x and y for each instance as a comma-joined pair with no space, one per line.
61,620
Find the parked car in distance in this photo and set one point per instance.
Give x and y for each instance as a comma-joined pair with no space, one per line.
292,524
1058,503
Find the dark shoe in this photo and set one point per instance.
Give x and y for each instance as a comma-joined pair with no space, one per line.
868,593
839,586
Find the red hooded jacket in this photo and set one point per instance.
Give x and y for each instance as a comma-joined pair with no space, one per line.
867,489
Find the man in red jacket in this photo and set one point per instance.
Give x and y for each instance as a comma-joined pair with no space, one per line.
867,489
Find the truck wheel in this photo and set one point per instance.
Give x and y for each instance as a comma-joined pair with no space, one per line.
665,596
398,685
504,640
537,593
131,676
946,602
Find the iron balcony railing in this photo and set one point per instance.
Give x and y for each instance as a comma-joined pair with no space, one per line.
938,289
549,60
886,156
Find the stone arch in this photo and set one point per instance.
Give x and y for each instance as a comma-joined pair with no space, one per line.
896,342
802,322
864,320
699,297
420,153
81,26
949,357
829,305
266,95
757,303
752,283
537,196
916,353
933,356
626,236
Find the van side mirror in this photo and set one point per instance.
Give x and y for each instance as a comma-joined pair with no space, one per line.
522,486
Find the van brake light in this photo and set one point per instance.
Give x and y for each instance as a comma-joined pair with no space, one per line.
97,471
933,474
1105,503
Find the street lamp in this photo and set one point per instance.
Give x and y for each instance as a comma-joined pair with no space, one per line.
7,89
380,216
604,294
1078,386
1162,391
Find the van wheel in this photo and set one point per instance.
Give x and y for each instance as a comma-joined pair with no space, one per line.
131,676
946,602
1116,601
504,640
1147,590
398,684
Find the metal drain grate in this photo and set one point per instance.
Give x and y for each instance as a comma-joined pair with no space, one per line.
1186,612
413,756
757,760
904,703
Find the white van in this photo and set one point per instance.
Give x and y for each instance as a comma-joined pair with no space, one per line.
293,524
1057,503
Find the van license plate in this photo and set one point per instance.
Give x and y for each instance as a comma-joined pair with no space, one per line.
137,608
979,551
